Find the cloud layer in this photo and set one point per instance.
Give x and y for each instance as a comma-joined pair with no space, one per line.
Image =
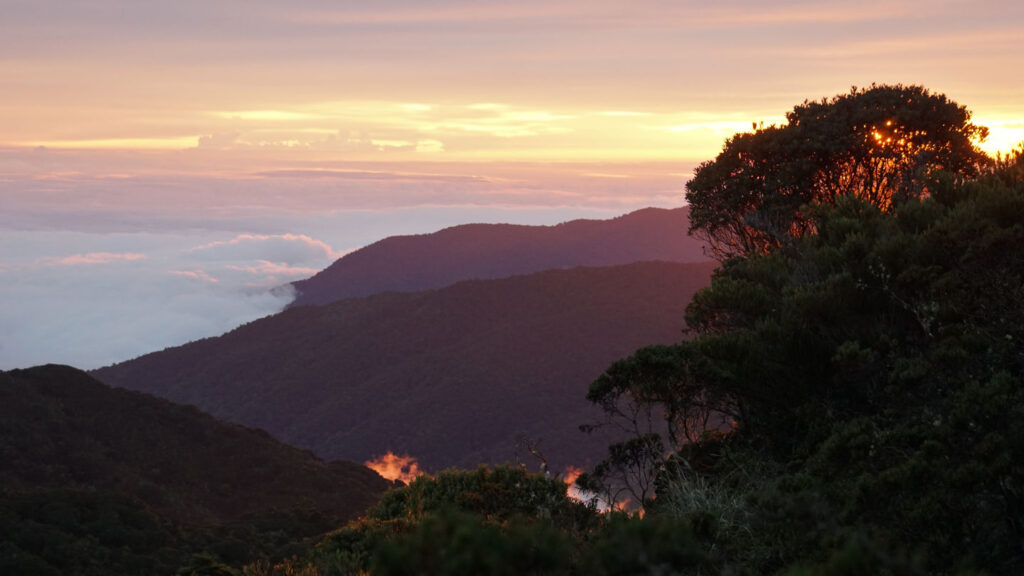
94,297
94,308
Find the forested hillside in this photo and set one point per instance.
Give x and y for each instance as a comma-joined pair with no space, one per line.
453,377
100,480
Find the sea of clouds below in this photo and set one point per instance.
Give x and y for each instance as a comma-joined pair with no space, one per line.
93,298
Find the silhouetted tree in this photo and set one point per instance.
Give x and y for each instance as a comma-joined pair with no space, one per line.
879,144
661,398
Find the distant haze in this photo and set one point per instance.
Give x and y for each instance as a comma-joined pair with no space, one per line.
90,298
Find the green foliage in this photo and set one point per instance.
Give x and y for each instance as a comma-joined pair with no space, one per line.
890,365
442,526
670,376
207,565
634,545
456,543
66,531
495,494
859,555
716,508
96,532
461,519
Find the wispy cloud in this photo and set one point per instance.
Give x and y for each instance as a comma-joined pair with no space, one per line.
91,258
315,174
754,13
269,274
625,114
449,12
967,43
268,115
292,248
151,76
196,274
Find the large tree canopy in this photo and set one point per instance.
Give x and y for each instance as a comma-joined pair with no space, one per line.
879,144
876,371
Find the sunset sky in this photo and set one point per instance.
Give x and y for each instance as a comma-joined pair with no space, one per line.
164,164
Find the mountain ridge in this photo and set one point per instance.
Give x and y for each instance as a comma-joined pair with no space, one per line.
427,261
451,376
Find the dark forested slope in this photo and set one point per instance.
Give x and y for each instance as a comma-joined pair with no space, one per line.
60,426
452,376
93,476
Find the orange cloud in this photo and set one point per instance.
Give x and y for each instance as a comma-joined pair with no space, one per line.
91,258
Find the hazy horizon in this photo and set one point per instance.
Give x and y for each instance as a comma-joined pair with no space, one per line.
164,166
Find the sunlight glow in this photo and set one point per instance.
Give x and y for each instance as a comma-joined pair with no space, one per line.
1004,135
267,115
178,143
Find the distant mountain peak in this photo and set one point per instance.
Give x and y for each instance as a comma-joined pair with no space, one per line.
427,261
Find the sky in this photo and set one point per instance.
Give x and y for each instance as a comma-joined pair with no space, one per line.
166,168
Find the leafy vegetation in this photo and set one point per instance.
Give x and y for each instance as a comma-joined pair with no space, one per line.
498,521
